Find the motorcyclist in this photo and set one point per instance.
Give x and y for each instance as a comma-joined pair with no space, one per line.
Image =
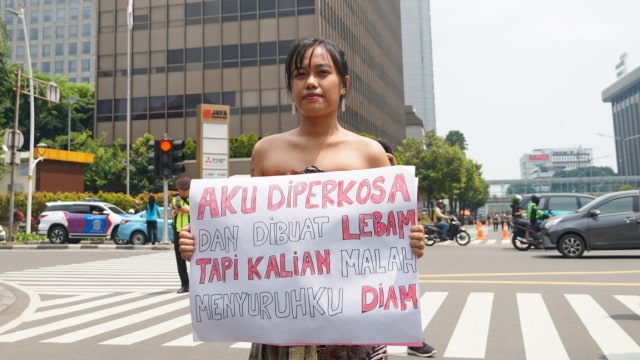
517,213
534,214
442,219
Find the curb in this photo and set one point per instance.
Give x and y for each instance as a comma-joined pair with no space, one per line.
7,298
88,246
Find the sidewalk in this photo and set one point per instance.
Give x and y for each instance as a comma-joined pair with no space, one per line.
39,245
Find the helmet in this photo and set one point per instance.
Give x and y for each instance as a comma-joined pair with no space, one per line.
535,199
516,198
439,201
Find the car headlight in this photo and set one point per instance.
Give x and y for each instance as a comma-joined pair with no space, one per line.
552,222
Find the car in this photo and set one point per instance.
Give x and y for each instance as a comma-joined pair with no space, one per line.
3,235
133,229
71,221
610,222
558,203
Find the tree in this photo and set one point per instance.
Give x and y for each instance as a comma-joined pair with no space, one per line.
456,138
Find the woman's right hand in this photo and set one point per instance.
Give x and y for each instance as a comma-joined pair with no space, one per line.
187,243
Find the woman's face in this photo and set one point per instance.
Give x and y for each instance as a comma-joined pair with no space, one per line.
316,86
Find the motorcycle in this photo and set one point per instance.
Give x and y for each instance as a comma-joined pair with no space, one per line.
433,234
519,238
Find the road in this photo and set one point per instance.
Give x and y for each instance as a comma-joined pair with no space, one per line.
482,301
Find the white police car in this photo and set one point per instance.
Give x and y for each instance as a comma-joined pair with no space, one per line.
71,221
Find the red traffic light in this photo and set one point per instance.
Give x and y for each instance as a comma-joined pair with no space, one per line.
165,145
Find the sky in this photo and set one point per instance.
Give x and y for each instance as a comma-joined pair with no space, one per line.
518,75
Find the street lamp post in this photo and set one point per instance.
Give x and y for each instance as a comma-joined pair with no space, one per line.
20,15
72,100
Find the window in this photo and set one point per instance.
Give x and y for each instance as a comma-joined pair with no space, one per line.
59,49
60,15
86,30
46,16
46,50
616,206
46,66
86,47
193,55
73,48
72,66
73,13
33,18
46,33
59,66
86,65
59,32
73,31
86,13
34,34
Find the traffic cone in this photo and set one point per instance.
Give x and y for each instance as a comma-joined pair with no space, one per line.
505,232
480,235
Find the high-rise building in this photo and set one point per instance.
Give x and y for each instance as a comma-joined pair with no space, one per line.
624,96
543,163
61,34
417,60
232,52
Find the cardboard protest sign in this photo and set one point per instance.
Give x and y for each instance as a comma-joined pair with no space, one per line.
319,258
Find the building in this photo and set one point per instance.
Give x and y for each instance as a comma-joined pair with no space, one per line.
543,163
417,60
624,96
232,52
62,36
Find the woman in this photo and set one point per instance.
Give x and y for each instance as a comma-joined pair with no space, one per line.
317,77
152,219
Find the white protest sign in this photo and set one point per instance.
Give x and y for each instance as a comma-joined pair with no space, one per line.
318,258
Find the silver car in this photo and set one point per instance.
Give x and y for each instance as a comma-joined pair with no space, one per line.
610,222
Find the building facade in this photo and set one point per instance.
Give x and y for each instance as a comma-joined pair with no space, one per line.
417,60
62,36
543,163
232,52
624,96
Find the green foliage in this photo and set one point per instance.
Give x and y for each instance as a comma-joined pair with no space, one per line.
189,149
456,138
242,146
443,171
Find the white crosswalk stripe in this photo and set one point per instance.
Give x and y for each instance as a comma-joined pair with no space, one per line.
122,302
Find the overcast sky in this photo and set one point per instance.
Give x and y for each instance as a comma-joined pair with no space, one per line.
516,75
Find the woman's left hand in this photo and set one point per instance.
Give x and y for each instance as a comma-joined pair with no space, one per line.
416,240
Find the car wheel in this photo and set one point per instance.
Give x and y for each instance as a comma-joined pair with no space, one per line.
571,246
138,238
57,234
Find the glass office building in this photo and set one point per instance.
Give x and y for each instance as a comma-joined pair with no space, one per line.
232,52
61,34
418,60
624,96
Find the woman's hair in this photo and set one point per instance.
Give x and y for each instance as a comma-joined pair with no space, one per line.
299,48
152,200
385,145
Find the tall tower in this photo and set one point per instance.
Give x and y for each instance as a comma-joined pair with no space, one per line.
418,60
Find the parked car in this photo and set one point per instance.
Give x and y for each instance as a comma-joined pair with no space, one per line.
3,235
72,221
133,229
610,222
558,203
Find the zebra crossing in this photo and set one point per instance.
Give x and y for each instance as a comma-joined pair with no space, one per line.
126,301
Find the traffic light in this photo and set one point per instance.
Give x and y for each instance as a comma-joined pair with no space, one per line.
165,147
177,157
153,157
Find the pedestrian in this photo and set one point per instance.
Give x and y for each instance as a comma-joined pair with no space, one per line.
18,218
152,213
180,205
317,77
137,206
425,350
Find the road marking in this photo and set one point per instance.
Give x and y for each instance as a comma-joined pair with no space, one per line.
186,340
87,305
118,323
539,334
612,339
469,339
151,331
71,299
630,301
68,322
